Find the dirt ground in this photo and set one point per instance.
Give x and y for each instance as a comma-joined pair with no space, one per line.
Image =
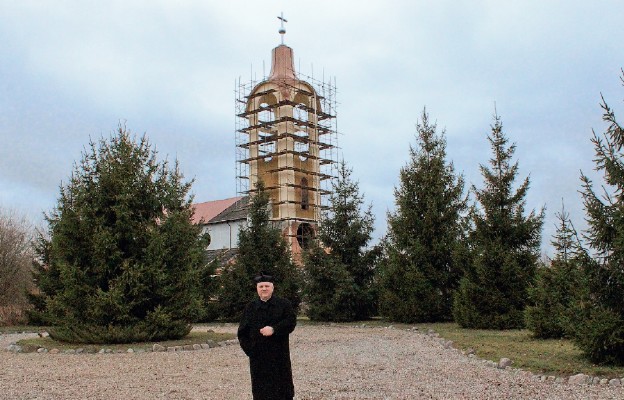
329,362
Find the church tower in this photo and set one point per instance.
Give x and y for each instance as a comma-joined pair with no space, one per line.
286,136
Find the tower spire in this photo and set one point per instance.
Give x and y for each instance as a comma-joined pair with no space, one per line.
282,30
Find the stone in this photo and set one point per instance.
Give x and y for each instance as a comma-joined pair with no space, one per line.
579,379
551,378
171,349
211,343
55,351
80,350
559,380
197,346
130,350
14,348
595,380
205,346
615,382
102,351
504,363
187,347
604,381
470,350
158,347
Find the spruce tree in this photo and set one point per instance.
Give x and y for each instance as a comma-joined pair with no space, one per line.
261,248
505,245
329,289
419,271
601,332
120,257
552,295
209,287
339,284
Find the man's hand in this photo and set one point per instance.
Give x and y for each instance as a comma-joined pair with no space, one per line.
266,331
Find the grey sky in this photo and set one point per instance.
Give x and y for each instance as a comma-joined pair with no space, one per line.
71,70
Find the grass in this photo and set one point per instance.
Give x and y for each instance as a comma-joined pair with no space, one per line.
195,337
21,328
559,357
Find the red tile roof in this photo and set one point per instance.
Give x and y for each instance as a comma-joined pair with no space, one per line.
211,209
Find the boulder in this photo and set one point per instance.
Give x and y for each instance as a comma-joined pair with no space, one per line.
158,347
579,379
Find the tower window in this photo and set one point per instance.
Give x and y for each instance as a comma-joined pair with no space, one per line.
266,114
266,147
300,112
305,234
302,145
305,195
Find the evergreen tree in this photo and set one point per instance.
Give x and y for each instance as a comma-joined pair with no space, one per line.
339,284
261,248
120,258
601,332
420,269
505,246
209,287
551,297
329,289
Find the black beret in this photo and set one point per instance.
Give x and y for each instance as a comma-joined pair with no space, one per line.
262,277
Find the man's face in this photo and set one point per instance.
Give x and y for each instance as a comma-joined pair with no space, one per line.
265,290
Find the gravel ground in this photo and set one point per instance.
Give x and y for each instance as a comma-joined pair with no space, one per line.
329,362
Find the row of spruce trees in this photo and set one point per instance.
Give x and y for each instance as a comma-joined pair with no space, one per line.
121,261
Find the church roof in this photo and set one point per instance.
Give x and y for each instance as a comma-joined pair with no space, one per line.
209,210
235,212
225,256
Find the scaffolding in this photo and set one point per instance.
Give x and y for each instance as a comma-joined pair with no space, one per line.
311,130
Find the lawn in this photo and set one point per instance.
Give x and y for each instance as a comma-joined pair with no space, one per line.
559,357
196,337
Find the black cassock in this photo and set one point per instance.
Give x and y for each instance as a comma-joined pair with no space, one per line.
269,356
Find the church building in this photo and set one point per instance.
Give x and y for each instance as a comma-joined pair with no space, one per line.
286,137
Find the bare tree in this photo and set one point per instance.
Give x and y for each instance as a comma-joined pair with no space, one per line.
16,254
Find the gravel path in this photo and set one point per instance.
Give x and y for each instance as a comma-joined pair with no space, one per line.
329,362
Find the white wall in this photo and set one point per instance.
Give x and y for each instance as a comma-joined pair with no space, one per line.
224,235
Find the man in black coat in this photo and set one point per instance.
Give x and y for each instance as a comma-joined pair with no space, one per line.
263,336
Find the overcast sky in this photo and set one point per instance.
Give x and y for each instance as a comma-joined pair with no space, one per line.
72,70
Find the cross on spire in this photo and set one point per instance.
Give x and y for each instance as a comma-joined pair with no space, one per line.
282,30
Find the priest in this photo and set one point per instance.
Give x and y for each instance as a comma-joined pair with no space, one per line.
263,335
